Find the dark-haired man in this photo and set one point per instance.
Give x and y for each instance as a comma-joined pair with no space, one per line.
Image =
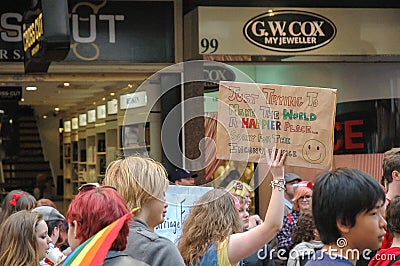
182,177
348,207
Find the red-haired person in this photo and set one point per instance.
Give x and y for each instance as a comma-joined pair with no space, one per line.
301,203
92,209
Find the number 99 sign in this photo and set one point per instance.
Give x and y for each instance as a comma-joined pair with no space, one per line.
209,46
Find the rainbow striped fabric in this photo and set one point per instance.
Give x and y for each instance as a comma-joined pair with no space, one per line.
94,250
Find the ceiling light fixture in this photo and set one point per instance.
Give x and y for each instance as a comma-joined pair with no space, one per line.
45,116
22,99
103,99
112,93
31,88
67,84
56,109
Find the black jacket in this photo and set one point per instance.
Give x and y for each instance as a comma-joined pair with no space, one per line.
262,257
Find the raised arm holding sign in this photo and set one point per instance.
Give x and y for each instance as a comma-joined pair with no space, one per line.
210,231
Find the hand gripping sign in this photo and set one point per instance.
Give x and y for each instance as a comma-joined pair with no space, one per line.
254,118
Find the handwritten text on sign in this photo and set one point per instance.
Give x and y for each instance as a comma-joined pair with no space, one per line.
180,199
255,118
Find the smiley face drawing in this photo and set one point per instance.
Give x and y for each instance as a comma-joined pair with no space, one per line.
314,151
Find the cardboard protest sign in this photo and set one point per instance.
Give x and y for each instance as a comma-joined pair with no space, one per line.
254,118
179,199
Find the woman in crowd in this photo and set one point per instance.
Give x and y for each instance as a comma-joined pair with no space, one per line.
46,202
243,212
301,203
16,200
306,240
241,189
211,231
245,191
61,242
92,209
54,220
262,256
24,239
142,183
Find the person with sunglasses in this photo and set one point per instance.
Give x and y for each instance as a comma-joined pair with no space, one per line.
142,182
301,203
91,210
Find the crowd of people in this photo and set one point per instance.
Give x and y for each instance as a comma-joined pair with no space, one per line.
343,217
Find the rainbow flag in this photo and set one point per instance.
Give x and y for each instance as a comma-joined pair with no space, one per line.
94,250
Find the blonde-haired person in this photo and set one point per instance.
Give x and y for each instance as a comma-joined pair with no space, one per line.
302,201
263,255
24,239
211,232
142,182
241,189
244,190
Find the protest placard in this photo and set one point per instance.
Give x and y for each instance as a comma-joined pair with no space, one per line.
179,199
255,118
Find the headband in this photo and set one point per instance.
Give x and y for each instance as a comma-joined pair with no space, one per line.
236,201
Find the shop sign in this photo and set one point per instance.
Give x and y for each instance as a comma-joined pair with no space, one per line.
133,100
366,126
46,35
122,31
289,31
10,93
249,33
213,74
101,31
10,36
349,136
